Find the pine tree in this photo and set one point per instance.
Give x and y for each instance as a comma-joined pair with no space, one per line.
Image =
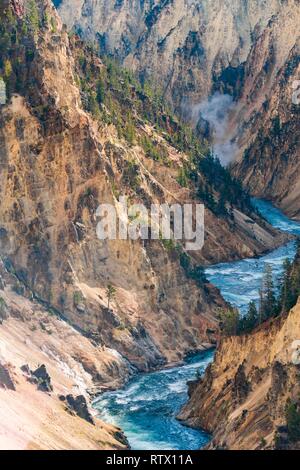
286,296
269,304
110,293
293,421
290,283
295,278
250,321
221,206
100,91
261,307
229,321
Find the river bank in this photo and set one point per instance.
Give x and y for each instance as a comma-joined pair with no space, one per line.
147,406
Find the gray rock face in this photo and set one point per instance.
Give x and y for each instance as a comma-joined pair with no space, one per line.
3,307
79,406
183,45
44,379
2,283
6,380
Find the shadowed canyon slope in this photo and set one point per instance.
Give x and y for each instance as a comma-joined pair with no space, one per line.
269,108
249,50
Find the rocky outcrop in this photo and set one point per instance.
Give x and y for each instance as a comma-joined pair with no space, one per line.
245,395
6,380
3,310
43,379
241,386
78,405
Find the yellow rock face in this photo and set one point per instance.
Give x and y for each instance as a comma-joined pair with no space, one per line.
242,398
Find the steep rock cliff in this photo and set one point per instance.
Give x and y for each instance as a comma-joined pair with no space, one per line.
34,417
269,109
243,397
182,45
249,50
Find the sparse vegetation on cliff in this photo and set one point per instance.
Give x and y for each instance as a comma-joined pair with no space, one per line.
110,294
293,421
115,96
17,44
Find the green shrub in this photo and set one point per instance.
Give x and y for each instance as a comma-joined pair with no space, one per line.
53,25
195,272
168,244
7,69
183,178
153,150
131,174
77,297
32,15
100,86
229,321
293,421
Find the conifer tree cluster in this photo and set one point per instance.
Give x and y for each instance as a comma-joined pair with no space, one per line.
273,300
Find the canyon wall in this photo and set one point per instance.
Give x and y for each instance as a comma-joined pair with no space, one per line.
269,110
249,50
59,161
182,45
244,395
34,410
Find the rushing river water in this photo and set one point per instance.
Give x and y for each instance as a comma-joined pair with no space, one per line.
147,406
240,281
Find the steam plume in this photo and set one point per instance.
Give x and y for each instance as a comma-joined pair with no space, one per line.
216,111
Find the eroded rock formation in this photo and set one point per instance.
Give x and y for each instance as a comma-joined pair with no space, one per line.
244,396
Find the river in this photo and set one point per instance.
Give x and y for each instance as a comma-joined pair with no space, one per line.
147,406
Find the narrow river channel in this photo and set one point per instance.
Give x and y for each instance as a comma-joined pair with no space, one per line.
147,406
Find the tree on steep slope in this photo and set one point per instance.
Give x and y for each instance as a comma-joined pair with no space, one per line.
110,293
269,306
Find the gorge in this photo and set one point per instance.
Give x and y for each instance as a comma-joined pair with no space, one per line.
147,407
104,99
